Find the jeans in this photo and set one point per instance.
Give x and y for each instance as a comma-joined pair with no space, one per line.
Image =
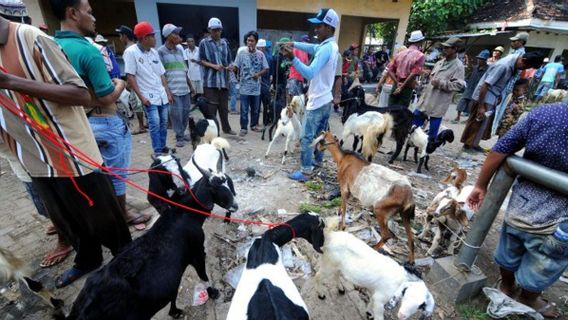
542,89
180,115
434,127
158,124
254,103
315,121
115,143
233,97
38,203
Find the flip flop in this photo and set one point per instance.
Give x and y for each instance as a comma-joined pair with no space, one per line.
69,276
55,257
550,306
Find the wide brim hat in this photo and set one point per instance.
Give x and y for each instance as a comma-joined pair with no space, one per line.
416,36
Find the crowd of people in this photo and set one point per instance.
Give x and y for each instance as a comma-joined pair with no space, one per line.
73,87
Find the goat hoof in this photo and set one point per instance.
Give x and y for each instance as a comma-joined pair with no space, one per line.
213,293
391,162
175,313
341,291
369,315
56,303
321,297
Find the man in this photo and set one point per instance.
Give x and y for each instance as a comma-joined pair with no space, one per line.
533,248
265,96
194,66
518,43
320,73
110,130
61,180
127,39
404,68
251,65
381,58
115,69
215,57
550,78
173,59
487,93
446,77
369,65
474,77
145,75
295,83
496,55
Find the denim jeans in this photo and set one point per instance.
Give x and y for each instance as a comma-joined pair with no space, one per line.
115,143
315,121
38,203
434,126
542,89
254,103
158,124
233,97
180,115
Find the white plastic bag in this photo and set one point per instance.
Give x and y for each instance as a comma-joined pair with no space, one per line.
200,295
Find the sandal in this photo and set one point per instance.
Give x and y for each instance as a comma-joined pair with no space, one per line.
69,276
55,256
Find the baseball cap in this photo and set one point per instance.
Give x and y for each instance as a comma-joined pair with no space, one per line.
261,43
520,36
453,42
169,29
327,16
484,55
215,23
125,31
143,29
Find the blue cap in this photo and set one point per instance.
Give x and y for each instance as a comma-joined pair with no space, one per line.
484,55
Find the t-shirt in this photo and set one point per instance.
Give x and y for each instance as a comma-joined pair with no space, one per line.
147,68
551,70
194,70
497,76
29,53
250,63
176,69
302,56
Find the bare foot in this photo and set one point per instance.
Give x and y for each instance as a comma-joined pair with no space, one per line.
545,308
509,290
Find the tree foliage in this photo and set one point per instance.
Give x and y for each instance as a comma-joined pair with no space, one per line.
384,30
436,16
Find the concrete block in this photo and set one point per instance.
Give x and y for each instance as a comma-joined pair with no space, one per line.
453,284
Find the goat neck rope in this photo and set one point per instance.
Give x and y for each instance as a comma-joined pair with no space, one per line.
193,194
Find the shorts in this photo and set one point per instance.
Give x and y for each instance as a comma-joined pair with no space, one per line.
294,87
197,86
537,260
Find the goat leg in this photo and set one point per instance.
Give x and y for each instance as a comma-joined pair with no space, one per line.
415,155
399,145
419,169
410,235
405,151
426,162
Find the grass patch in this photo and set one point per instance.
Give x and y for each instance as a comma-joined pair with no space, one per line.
471,312
306,207
315,186
335,202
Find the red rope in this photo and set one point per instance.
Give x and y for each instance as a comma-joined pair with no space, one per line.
63,144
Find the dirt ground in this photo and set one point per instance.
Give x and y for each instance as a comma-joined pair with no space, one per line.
268,196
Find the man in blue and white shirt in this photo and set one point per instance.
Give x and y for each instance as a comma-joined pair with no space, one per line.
321,74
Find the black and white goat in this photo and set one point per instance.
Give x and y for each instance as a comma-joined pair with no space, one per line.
387,281
419,140
144,277
207,131
289,127
265,291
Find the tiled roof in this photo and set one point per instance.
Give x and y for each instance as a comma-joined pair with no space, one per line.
513,10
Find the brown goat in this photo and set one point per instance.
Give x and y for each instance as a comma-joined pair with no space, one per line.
375,186
457,177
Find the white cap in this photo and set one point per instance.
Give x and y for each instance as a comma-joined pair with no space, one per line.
100,38
169,29
416,36
261,43
327,16
215,23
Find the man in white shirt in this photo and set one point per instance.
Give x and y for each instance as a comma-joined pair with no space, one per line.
145,75
194,70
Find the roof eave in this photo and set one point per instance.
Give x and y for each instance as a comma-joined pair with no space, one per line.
533,23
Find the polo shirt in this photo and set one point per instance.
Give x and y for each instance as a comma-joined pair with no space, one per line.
87,61
496,76
147,68
320,73
176,69
30,54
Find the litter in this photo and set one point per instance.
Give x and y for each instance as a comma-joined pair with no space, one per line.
200,295
502,306
233,276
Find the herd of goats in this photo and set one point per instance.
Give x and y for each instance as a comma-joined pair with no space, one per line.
145,276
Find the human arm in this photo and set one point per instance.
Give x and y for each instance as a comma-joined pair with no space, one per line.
321,57
131,79
309,48
206,63
481,100
265,68
455,83
337,89
106,91
168,92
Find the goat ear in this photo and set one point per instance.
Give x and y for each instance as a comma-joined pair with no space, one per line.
461,216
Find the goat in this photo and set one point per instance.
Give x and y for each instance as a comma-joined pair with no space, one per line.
265,291
298,104
145,275
402,117
206,131
346,255
419,140
372,125
13,268
375,186
288,126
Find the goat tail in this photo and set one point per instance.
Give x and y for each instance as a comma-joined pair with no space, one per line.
374,134
220,143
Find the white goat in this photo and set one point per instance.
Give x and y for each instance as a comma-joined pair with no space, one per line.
346,255
371,125
288,126
207,156
299,105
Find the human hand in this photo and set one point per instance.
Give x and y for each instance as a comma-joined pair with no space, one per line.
255,76
378,89
145,101
476,197
397,91
287,51
480,113
219,67
435,83
170,98
336,99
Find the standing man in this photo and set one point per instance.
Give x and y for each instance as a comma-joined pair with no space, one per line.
487,93
194,66
381,59
474,77
496,55
265,83
145,75
518,43
321,74
115,70
173,59
215,57
54,102
126,36
446,78
404,68
550,78
110,130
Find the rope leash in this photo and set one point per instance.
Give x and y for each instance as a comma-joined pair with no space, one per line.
461,239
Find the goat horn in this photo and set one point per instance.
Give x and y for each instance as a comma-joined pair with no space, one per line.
204,172
220,162
317,140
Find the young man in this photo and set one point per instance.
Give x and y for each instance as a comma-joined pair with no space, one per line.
496,55
533,248
321,74
54,103
265,96
174,62
194,65
110,130
474,77
145,75
126,36
215,57
487,93
404,68
550,78
251,65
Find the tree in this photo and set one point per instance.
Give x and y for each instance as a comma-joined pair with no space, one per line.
384,30
436,16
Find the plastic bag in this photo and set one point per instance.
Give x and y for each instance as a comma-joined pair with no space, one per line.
502,306
200,295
